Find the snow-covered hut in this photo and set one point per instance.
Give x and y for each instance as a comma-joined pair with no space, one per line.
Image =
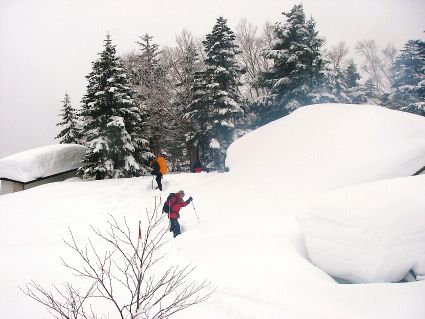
39,166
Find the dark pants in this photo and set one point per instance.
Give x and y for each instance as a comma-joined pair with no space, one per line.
175,226
158,181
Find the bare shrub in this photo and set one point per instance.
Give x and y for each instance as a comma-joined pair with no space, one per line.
127,275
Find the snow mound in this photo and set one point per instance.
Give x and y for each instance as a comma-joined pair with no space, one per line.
41,162
368,233
325,146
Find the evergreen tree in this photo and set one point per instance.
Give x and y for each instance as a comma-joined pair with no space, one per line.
318,87
297,76
70,132
409,79
216,101
112,122
336,84
351,75
197,113
371,92
354,91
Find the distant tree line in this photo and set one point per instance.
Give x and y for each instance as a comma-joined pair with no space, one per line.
193,100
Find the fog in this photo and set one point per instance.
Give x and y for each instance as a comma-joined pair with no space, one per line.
47,46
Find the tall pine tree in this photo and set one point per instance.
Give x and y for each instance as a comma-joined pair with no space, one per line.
296,77
355,92
70,132
217,102
197,114
112,122
409,79
351,75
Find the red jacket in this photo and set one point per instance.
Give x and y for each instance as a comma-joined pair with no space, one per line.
175,204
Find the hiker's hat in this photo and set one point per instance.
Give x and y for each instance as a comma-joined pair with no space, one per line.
181,193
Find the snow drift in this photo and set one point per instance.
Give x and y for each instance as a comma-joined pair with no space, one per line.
369,233
326,146
320,148
41,162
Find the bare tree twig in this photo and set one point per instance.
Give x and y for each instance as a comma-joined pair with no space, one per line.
125,275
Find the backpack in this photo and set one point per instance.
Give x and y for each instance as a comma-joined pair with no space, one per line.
166,208
162,163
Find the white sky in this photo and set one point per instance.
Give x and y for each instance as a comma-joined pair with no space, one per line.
47,46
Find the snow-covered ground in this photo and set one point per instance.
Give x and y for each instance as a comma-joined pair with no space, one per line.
249,242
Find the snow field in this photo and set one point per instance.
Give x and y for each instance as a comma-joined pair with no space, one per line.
314,166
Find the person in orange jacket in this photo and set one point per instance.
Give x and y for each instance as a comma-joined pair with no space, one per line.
176,203
159,166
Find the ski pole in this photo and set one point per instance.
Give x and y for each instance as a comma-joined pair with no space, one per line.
195,211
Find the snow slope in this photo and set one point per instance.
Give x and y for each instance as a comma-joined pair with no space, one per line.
248,242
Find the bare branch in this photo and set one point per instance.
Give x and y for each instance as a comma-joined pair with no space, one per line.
68,304
124,274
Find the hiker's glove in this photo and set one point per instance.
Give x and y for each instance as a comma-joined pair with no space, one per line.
190,199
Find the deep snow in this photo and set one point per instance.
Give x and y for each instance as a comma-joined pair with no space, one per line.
248,242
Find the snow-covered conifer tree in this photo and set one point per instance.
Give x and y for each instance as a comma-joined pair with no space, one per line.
371,92
354,90
70,132
335,83
409,79
296,76
351,75
197,111
216,101
111,121
317,86
335,62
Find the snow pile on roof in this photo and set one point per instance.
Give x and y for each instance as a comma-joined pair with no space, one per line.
373,232
41,162
326,146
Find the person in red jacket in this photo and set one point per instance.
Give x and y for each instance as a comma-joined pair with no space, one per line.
197,167
176,203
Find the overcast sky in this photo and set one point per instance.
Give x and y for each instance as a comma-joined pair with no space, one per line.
47,46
